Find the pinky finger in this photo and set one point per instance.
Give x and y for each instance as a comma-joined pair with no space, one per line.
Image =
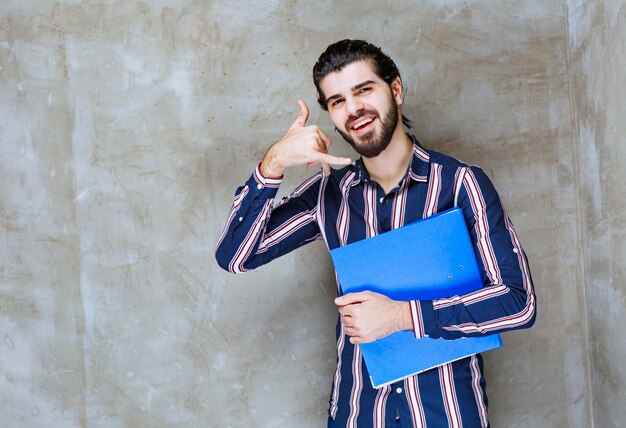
325,168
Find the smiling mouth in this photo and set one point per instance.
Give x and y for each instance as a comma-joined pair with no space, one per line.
362,124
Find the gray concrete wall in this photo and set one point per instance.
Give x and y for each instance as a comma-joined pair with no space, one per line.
125,128
597,40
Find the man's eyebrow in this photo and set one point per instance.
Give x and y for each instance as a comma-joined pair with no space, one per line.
354,88
360,85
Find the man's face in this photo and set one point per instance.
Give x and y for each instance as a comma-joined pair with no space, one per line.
363,107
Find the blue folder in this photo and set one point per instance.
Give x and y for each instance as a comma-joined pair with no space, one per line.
429,259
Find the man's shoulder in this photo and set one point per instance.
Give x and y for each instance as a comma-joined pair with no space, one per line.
445,160
429,156
451,167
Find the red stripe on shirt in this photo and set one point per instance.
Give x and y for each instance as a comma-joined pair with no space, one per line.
449,396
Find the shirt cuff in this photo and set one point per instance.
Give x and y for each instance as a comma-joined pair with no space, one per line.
422,316
266,181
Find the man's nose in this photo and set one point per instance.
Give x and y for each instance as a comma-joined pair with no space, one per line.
354,106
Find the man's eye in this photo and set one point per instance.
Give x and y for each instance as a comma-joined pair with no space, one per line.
363,90
336,102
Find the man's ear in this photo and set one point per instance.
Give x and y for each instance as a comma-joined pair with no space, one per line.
397,90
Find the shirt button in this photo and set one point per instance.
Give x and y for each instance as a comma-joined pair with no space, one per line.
381,200
515,250
399,390
259,186
240,218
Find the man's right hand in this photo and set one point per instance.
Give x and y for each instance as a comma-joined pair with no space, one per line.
301,145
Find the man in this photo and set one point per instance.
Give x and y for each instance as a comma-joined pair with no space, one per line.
395,182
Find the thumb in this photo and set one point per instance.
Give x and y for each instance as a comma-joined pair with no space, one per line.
351,298
303,116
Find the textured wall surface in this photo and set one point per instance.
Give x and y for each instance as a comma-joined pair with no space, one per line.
126,126
597,35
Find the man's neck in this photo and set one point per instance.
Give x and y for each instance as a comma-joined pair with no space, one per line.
388,168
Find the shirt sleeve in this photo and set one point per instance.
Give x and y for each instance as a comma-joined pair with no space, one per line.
257,232
507,299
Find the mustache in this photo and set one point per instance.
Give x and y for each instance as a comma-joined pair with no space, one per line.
362,113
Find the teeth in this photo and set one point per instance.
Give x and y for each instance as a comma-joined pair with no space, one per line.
361,123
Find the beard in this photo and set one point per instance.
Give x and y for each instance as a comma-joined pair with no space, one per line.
372,143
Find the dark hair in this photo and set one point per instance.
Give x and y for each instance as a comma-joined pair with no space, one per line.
344,52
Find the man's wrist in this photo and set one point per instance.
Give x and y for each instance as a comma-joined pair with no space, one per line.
405,321
268,167
268,172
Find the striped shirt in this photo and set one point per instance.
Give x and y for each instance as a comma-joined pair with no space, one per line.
348,206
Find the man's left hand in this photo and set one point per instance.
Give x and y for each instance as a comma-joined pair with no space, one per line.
368,316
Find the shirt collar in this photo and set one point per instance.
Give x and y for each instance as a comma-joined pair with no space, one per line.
418,167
